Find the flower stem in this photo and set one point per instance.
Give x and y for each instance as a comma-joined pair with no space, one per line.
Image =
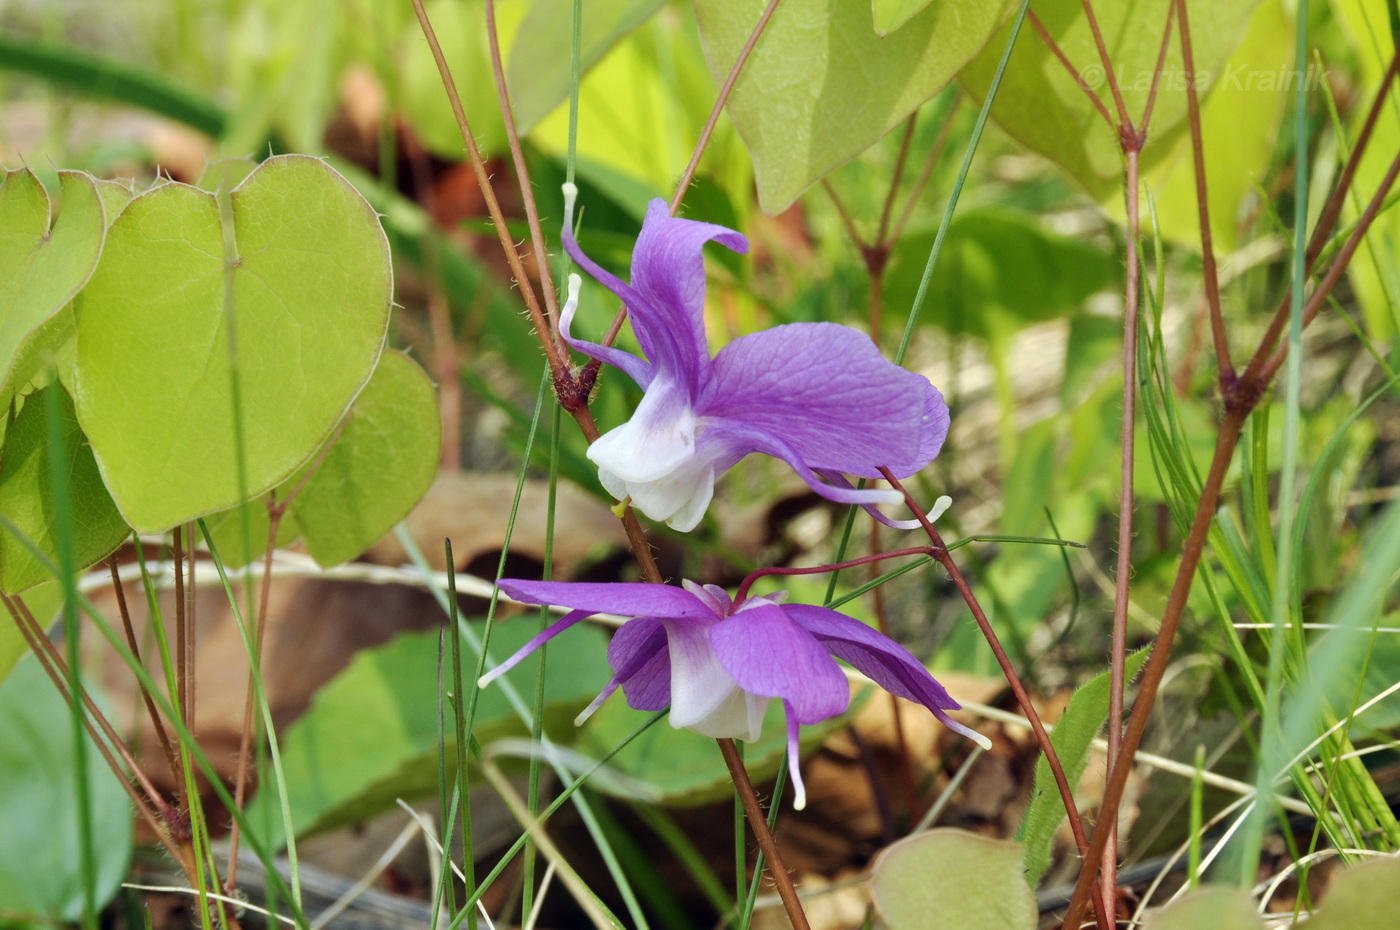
754,812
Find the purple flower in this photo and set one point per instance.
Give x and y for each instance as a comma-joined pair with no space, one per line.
819,396
718,665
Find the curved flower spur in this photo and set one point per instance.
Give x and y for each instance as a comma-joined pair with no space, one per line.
819,396
717,664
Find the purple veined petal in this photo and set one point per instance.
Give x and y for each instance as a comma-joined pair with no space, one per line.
830,395
553,630
638,369
668,270
704,697
739,439
629,599
883,660
714,595
641,663
794,745
766,653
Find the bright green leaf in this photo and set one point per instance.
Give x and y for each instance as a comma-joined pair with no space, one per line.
42,268
821,86
305,283
1074,734
1042,105
1239,125
1214,907
460,26
1361,897
27,495
40,864
891,14
371,735
538,72
949,879
379,466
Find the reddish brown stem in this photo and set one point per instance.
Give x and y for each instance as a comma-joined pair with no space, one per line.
925,173
743,590
1124,569
1104,59
759,824
1023,699
1141,133
1225,367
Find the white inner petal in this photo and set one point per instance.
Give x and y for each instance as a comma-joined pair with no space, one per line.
704,698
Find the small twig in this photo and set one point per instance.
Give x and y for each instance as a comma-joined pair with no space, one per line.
845,216
1157,74
522,175
883,227
759,824
1225,368
1123,119
1023,699
925,173
172,757
700,145
558,362
1074,72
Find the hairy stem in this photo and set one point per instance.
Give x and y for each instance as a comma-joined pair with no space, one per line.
759,824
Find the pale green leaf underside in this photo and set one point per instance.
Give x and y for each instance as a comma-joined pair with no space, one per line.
307,289
949,879
1213,907
27,495
821,86
380,465
1041,104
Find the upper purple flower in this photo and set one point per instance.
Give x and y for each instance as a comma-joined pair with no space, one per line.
718,665
819,396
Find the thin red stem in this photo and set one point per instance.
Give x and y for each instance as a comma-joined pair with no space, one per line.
743,591
1209,270
1157,75
1074,72
1123,119
1023,699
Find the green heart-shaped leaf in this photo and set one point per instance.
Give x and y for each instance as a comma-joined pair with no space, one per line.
41,268
821,86
379,466
94,527
294,265
945,879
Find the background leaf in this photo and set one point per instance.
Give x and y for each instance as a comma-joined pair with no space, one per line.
1074,734
39,860
821,86
1216,907
370,736
1041,105
311,291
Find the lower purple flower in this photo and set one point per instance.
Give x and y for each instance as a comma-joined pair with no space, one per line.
717,665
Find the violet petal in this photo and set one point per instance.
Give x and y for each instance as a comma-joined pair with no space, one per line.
641,663
629,599
768,654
